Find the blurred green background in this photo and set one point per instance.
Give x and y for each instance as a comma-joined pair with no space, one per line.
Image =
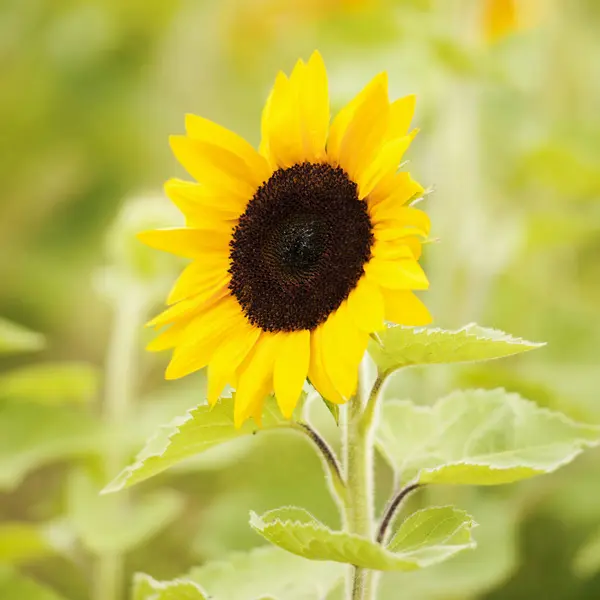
508,96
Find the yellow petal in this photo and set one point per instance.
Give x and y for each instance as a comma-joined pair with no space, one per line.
314,104
365,304
401,114
343,348
204,130
256,376
316,370
404,308
404,274
203,278
342,120
415,245
400,218
282,122
386,162
264,147
200,204
191,243
202,336
366,132
393,249
187,308
169,338
404,247
214,167
396,188
228,357
291,368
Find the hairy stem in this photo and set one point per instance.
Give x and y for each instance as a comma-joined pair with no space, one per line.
118,397
359,476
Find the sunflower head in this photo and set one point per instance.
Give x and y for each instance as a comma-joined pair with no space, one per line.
299,251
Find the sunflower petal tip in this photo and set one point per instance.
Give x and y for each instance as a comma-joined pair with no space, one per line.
145,236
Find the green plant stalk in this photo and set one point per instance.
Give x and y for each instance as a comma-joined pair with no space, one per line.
359,465
109,571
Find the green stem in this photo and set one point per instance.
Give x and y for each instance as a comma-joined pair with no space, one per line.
119,382
360,421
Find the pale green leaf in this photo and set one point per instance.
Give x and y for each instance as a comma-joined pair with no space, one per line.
478,437
425,538
469,575
267,571
51,383
34,435
587,559
147,588
14,586
200,429
22,541
15,339
104,525
402,346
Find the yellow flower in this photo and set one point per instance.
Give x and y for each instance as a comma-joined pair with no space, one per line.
299,251
504,17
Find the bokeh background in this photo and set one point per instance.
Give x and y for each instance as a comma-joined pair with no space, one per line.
508,96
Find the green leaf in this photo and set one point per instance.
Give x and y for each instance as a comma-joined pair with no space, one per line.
147,588
34,435
425,538
51,383
334,409
200,429
14,586
267,571
478,437
21,542
105,526
587,559
402,346
15,339
469,575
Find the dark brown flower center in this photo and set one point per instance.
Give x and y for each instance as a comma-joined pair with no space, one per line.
299,248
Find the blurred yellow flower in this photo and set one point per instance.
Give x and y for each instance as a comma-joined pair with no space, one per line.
300,250
503,17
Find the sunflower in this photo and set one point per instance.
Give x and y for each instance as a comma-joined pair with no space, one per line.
300,251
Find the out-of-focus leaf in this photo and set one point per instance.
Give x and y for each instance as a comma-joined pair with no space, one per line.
571,171
33,435
202,428
587,560
267,571
106,524
427,537
479,437
51,383
14,586
22,541
15,339
402,346
147,588
551,229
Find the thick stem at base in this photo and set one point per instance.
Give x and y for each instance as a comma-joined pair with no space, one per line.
359,477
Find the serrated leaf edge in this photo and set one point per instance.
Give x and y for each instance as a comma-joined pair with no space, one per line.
542,409
164,585
259,525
